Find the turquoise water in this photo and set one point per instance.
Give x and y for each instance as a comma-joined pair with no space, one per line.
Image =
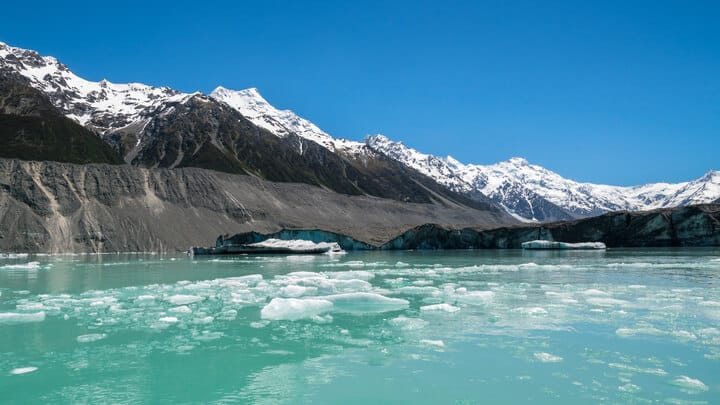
622,326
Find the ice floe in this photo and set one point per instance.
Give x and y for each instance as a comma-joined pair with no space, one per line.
91,337
362,302
292,309
22,370
547,357
183,299
24,266
15,317
444,307
690,385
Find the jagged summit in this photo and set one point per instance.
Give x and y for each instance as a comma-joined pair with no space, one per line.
532,192
251,104
102,106
108,107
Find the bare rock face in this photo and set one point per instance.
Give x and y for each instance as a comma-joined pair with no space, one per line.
60,207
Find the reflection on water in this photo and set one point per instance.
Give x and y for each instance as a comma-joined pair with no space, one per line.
423,327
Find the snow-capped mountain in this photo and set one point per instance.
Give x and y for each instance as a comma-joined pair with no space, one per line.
254,107
108,107
524,188
228,130
102,106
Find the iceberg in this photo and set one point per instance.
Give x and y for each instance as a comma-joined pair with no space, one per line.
297,245
293,309
549,244
269,246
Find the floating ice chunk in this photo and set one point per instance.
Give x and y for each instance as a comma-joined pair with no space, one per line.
532,311
434,343
298,245
294,291
629,388
279,352
364,302
250,279
25,266
684,335
444,307
643,330
207,335
292,309
144,299
547,357
342,286
352,274
327,318
690,385
607,302
183,309
416,290
92,337
304,274
182,299
594,291
401,264
475,297
259,324
405,323
635,369
23,370
16,317
549,244
168,319
203,320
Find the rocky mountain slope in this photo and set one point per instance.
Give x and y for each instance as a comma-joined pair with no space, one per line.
235,132
60,207
32,128
532,192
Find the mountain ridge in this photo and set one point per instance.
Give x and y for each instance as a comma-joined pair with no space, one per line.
523,187
157,127
131,118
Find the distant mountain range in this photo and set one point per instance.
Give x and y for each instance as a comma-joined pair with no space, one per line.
240,132
534,193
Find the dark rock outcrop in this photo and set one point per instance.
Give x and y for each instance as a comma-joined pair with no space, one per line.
697,225
32,128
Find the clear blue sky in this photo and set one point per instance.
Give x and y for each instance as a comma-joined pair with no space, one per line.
620,92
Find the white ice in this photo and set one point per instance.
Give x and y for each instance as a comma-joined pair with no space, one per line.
293,309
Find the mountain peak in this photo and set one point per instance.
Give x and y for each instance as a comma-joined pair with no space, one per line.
518,161
380,139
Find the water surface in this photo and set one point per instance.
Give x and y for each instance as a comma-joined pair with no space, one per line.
622,326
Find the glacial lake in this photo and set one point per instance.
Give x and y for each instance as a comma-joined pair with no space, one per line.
616,326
